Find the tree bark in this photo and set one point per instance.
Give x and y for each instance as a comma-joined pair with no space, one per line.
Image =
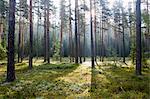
79,35
11,32
138,38
70,33
19,37
31,37
95,30
61,36
45,35
48,38
92,42
76,32
84,48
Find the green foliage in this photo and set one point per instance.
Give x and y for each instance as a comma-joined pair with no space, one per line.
113,53
133,53
2,52
146,18
3,42
56,53
3,8
23,6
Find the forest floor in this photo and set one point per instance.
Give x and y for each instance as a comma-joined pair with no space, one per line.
66,80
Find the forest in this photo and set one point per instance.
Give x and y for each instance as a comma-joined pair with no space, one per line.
74,49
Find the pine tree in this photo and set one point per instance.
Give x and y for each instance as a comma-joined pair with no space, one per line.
138,38
11,32
31,37
76,32
92,42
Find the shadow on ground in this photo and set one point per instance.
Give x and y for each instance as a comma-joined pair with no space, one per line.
119,82
38,82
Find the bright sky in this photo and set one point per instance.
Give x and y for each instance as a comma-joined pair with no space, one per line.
111,1
57,3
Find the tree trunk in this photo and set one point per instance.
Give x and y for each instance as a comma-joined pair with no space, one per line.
79,35
95,30
148,27
48,38
61,36
123,40
39,18
11,32
19,37
45,27
92,42
138,38
76,32
84,48
31,37
70,33
124,59
22,41
102,37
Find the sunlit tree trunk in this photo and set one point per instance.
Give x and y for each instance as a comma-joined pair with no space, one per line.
11,32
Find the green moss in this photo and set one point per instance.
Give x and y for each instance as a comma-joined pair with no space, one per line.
120,82
44,81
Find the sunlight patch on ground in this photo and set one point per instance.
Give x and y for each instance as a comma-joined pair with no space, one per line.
80,76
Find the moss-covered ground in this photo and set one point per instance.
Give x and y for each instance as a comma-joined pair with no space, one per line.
73,81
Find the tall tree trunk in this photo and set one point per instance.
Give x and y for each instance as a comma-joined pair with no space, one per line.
123,35
76,32
148,27
100,49
31,37
95,30
61,36
11,32
124,59
48,38
92,42
84,48
79,35
22,41
19,36
70,33
45,27
39,18
138,38
102,40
